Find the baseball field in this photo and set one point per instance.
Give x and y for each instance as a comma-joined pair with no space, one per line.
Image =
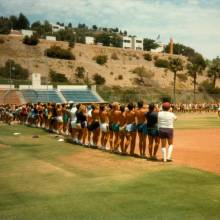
41,178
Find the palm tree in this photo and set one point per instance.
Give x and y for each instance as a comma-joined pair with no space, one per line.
195,67
214,70
175,65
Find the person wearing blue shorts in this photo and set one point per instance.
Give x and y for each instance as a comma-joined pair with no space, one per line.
141,127
152,130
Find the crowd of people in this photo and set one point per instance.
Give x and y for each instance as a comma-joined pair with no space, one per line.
111,127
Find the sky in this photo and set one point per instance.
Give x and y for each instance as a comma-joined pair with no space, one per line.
194,23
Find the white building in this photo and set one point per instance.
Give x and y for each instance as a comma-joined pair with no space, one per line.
133,43
127,43
57,27
89,40
28,33
160,49
137,43
51,38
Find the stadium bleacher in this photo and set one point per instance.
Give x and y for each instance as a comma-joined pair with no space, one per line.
41,96
80,96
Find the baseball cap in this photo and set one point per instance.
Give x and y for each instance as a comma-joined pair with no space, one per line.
166,105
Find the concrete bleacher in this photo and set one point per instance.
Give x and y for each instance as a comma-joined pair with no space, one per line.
10,96
44,96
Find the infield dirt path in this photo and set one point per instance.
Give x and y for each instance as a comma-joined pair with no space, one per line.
198,148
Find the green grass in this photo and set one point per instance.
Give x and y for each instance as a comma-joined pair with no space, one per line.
196,121
37,182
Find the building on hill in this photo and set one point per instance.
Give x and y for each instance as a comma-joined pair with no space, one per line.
15,32
159,49
132,43
89,40
57,27
28,33
137,43
51,38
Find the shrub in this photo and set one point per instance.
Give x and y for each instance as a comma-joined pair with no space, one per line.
111,73
155,57
32,40
120,77
71,44
2,41
183,77
114,56
101,59
147,57
80,72
58,52
99,80
57,77
161,63
16,70
208,87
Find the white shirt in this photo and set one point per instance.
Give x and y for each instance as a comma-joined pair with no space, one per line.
73,113
166,119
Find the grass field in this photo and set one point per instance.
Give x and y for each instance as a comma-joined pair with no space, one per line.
41,178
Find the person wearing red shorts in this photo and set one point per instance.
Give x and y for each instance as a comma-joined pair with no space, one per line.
165,126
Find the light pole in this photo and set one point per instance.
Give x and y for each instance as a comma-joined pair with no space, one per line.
10,71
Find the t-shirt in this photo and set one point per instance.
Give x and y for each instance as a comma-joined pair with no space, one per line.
166,119
73,113
152,119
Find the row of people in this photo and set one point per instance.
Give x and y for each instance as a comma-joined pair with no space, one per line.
111,127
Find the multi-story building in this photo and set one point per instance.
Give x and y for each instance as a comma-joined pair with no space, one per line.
132,43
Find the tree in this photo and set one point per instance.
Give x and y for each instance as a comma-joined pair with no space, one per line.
14,21
70,25
5,25
13,70
104,39
23,22
181,49
150,44
175,65
196,66
94,27
32,40
99,80
80,72
116,41
214,70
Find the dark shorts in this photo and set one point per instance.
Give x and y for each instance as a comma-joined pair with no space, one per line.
142,128
115,127
93,126
153,132
166,133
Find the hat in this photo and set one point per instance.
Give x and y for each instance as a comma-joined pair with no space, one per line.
166,105
70,102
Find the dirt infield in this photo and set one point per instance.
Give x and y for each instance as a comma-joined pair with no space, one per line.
198,149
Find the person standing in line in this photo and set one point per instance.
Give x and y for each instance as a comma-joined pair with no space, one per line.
165,126
152,130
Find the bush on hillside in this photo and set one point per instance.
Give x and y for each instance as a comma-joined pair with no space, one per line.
32,40
58,77
120,77
147,57
80,72
15,70
208,87
99,80
161,63
101,59
59,53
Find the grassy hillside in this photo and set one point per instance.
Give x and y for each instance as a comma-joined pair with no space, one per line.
33,58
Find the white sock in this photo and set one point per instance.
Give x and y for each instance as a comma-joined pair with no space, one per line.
170,150
164,154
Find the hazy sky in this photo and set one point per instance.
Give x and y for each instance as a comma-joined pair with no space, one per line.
195,23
